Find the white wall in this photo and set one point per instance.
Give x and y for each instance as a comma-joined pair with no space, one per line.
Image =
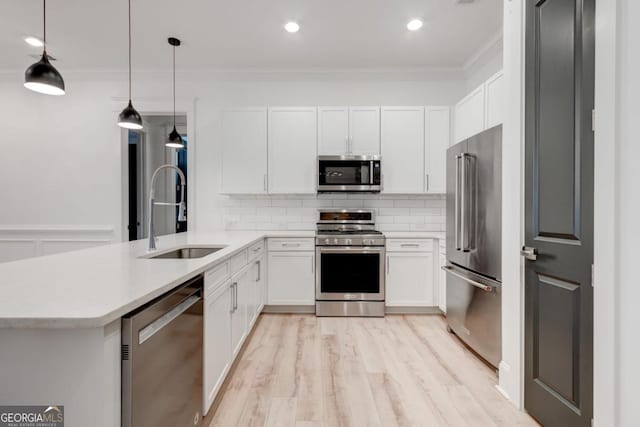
627,175
64,160
486,63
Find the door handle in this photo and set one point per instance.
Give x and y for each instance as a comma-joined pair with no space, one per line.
529,253
466,279
456,209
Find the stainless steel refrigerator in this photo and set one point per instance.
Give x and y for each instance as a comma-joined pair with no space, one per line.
474,247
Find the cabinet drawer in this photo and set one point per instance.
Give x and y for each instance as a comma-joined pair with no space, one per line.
215,277
303,244
255,250
409,245
238,261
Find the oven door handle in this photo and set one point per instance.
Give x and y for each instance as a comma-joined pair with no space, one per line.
352,249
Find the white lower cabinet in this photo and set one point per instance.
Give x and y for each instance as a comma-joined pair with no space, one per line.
410,274
241,295
291,278
442,282
217,342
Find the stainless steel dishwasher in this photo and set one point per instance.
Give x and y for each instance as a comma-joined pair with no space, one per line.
162,360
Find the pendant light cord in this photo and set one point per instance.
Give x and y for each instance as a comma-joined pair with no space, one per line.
129,50
174,87
44,25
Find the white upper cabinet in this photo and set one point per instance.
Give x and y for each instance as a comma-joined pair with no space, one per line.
292,150
364,130
494,94
348,130
244,131
402,149
333,130
437,140
481,109
469,115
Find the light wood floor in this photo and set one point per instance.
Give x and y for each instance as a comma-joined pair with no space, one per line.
303,371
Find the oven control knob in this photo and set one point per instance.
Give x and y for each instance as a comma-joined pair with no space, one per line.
367,241
335,241
327,241
349,241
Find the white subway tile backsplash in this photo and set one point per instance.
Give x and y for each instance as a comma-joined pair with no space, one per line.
299,212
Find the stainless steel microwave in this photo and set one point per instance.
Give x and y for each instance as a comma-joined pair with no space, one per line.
349,173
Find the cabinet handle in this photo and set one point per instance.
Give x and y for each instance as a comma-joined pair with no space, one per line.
258,265
235,297
264,183
312,266
427,183
387,265
409,245
291,245
346,144
231,299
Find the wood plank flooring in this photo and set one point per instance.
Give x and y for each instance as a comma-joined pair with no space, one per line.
402,370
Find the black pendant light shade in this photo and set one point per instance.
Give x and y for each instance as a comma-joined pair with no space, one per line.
43,77
175,139
129,118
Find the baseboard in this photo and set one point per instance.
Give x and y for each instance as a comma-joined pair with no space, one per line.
412,310
289,309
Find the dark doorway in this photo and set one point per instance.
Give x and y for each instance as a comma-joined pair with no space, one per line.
559,212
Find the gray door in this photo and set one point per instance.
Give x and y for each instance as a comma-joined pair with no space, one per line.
559,212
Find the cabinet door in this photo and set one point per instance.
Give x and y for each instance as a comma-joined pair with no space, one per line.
364,130
469,115
239,302
261,283
410,279
244,131
494,100
403,149
333,130
442,284
291,278
437,140
292,150
217,341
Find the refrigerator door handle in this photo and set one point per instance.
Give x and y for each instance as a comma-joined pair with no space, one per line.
466,279
456,209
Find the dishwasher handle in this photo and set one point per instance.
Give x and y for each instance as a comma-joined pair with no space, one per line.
162,321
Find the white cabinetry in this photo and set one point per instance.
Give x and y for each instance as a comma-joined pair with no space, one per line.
244,151
494,103
292,150
410,274
442,281
348,130
437,140
482,109
403,148
333,130
217,343
364,130
291,272
469,115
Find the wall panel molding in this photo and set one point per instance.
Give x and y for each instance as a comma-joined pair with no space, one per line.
27,241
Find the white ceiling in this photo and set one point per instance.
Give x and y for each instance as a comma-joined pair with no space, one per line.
232,34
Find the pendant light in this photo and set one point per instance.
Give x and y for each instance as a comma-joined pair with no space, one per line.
42,76
129,118
175,139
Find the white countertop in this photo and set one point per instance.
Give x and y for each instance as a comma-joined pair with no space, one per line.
93,287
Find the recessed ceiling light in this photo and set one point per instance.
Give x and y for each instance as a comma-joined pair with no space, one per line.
34,41
414,24
292,27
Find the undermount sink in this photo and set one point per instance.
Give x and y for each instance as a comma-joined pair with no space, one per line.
188,253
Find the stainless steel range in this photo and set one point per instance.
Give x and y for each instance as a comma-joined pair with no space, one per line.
350,254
